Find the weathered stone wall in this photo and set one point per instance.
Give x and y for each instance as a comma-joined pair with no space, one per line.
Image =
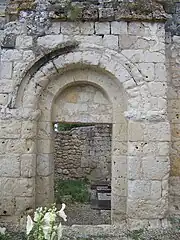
173,65
84,152
126,60
173,53
82,103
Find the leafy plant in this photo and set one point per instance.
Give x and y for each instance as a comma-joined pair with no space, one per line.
5,236
44,225
74,190
136,234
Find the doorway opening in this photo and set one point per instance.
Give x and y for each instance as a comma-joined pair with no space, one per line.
82,165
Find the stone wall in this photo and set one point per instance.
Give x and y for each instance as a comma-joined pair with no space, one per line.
84,152
123,55
173,53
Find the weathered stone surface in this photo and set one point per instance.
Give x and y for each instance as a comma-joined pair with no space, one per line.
10,166
7,206
147,209
23,42
10,129
5,70
28,165
123,69
23,187
84,152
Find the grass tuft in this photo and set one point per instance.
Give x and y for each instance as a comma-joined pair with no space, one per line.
72,191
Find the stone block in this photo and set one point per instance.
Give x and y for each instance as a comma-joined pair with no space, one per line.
118,27
159,131
119,185
3,99
10,166
87,28
160,72
106,13
139,189
147,209
102,28
164,148
5,70
157,191
29,129
137,29
45,164
175,165
110,41
120,132
147,70
174,205
7,206
89,39
24,42
45,130
135,131
157,89
50,41
28,56
155,168
174,186
136,224
54,28
45,190
175,131
9,41
70,28
119,166
10,129
134,167
11,55
144,56
45,146
17,146
6,86
128,42
118,208
28,165
24,205
119,148
23,187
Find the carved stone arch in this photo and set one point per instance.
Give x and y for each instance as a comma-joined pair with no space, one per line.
115,64
112,73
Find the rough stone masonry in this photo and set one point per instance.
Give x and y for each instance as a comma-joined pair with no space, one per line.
130,53
83,152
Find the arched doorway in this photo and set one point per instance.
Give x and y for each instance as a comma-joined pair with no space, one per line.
61,102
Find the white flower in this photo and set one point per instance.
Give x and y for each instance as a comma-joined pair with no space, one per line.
53,235
2,230
62,214
29,225
49,217
59,231
36,216
46,231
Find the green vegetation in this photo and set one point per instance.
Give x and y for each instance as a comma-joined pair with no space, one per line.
69,126
13,236
5,237
136,234
72,191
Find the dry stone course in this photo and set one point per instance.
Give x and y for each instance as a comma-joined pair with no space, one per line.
84,152
129,58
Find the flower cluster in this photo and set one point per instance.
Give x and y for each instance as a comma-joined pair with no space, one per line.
45,226
2,230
